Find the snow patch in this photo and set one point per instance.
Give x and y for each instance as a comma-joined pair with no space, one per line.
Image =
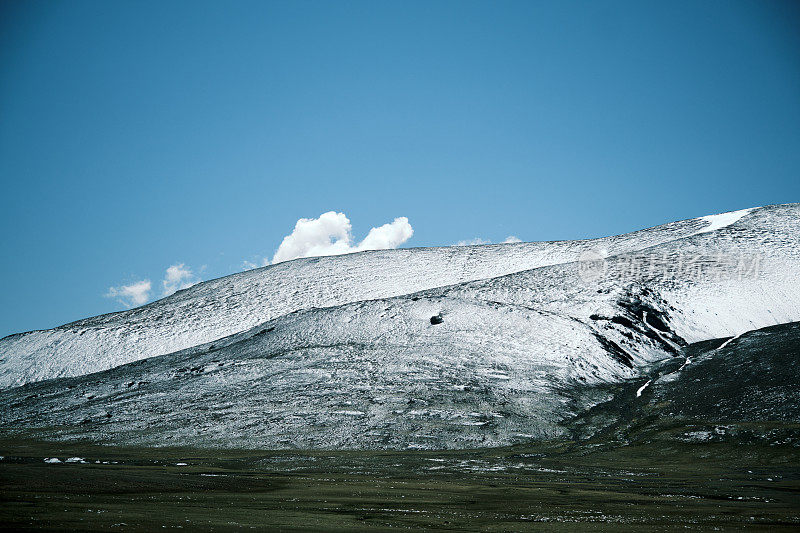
723,220
727,342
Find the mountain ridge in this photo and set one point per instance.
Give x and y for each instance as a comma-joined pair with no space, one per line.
255,296
508,358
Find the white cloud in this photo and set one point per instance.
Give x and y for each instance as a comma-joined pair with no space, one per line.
472,242
477,240
387,236
131,295
331,234
178,277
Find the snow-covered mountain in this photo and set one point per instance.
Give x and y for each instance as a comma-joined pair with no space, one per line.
438,347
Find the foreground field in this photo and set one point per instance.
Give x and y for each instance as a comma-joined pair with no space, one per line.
552,487
706,440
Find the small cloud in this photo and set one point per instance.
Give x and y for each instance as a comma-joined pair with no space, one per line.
131,295
478,241
331,234
387,236
472,242
178,277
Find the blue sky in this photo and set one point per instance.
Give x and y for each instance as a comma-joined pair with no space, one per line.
139,135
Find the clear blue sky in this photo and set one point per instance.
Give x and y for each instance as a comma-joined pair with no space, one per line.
137,135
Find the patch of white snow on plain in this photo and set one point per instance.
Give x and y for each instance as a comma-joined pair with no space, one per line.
75,460
641,389
52,460
722,220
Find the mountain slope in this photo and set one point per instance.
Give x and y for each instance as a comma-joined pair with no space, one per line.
222,307
741,389
486,362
